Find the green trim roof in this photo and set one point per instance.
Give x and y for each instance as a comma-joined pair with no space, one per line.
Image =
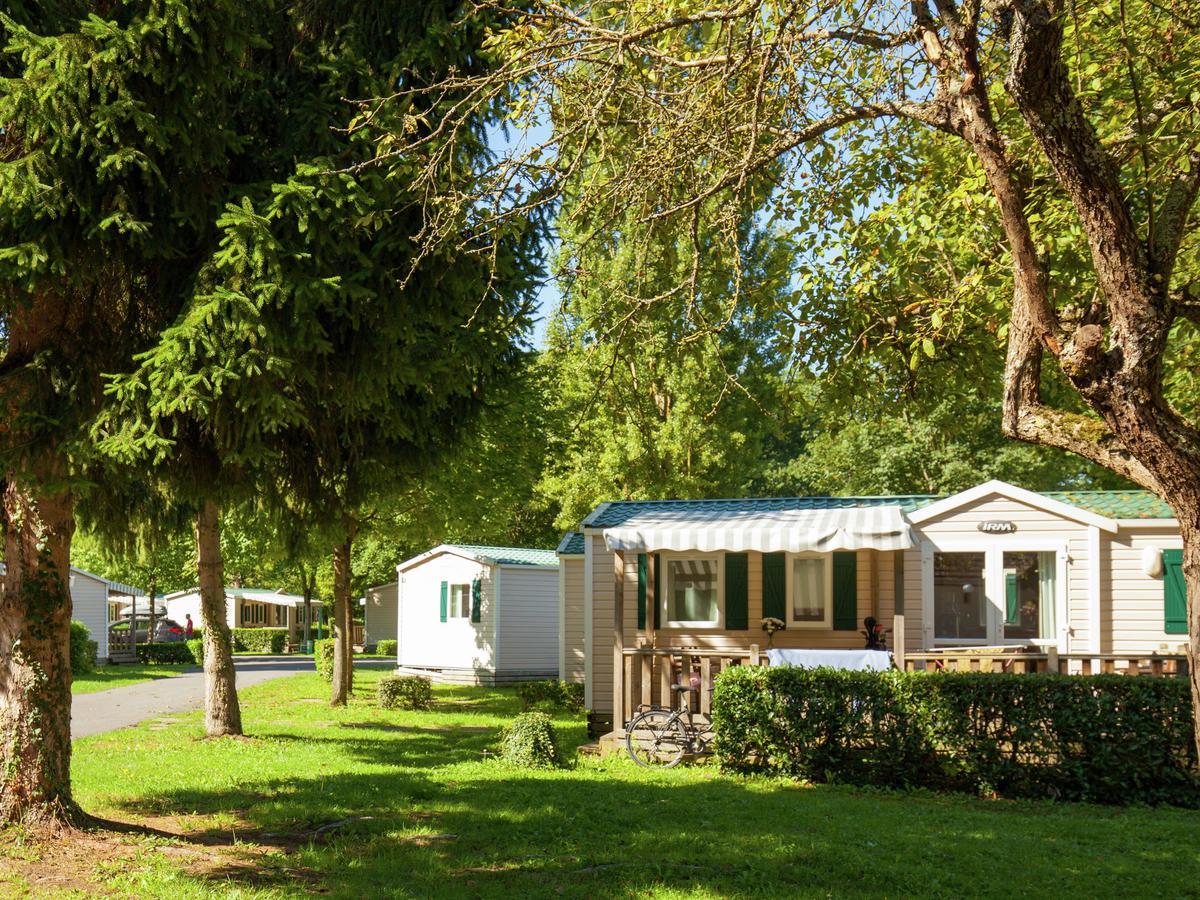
571,544
509,556
1116,504
1113,504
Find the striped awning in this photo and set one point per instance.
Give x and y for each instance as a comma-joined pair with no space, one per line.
791,531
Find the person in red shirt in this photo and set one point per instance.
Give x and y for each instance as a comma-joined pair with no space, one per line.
187,628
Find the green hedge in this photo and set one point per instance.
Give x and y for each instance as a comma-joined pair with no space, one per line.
530,742
1102,738
405,692
83,649
260,640
385,648
559,694
196,649
323,657
166,654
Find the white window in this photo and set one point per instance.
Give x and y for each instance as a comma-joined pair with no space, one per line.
460,602
810,590
692,591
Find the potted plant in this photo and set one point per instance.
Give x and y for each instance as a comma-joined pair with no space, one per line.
771,625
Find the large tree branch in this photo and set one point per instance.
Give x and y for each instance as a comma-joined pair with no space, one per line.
1037,81
1171,224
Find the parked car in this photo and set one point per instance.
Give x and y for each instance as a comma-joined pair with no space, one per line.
165,630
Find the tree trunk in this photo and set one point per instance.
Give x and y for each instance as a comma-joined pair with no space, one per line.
150,629
307,581
1189,525
35,659
343,672
222,714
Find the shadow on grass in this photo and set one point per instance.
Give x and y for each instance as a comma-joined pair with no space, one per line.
589,833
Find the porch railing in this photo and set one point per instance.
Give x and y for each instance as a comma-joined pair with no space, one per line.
649,673
1021,662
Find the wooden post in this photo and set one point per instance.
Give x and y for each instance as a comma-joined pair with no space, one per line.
1052,659
705,686
618,643
898,640
664,681
755,655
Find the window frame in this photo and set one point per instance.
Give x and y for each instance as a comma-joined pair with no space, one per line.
826,622
454,610
664,605
993,547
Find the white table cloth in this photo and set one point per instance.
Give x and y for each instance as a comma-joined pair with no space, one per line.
860,660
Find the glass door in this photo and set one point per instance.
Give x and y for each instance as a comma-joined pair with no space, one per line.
960,607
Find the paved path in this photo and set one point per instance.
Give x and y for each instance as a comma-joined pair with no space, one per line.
123,706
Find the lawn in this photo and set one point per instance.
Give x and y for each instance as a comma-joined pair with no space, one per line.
111,676
417,809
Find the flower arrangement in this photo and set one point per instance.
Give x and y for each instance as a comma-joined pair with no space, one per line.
771,625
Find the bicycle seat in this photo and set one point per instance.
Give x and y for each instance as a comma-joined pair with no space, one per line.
682,688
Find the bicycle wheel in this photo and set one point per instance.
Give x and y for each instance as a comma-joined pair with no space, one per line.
656,739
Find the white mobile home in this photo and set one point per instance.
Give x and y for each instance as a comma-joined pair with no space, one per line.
91,604
247,608
479,615
1076,576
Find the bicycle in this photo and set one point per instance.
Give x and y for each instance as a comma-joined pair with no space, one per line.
659,737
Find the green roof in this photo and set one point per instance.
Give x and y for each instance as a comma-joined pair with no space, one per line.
1113,504
1116,504
509,556
571,544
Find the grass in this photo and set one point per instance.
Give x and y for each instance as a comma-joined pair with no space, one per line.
424,813
111,676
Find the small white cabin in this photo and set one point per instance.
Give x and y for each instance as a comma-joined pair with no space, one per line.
91,604
479,615
246,608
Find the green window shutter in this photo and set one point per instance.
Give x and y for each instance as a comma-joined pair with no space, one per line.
845,591
1012,605
476,600
445,599
642,590
774,586
1174,593
737,593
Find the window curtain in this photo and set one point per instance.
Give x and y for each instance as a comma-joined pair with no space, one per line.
1047,599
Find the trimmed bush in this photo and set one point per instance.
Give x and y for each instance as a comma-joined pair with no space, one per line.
259,640
83,649
164,654
196,650
385,648
1101,739
530,742
405,692
323,657
558,694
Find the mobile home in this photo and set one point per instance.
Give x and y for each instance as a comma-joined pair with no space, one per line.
471,614
995,566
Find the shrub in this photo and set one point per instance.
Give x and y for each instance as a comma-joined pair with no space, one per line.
323,657
259,640
164,654
405,692
83,649
386,648
196,649
530,741
1102,738
559,694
